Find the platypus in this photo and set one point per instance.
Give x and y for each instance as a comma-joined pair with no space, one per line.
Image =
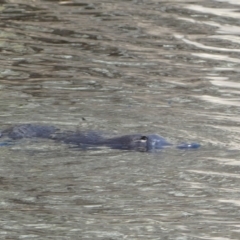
89,139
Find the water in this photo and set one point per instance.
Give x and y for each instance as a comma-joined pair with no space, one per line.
166,67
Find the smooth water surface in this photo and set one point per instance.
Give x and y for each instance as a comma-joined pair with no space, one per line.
141,66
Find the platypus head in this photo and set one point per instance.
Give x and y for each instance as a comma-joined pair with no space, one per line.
149,143
155,142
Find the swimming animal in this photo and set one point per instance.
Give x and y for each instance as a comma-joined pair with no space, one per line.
92,139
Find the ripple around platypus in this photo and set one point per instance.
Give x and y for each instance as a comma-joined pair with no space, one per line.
89,139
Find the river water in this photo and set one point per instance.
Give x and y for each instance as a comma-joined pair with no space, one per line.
150,66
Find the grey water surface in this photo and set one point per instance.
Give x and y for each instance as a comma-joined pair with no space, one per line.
141,66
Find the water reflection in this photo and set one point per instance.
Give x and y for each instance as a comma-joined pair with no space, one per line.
121,67
223,12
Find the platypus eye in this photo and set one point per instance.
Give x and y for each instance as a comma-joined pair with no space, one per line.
144,138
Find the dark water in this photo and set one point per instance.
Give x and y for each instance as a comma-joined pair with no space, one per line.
166,67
